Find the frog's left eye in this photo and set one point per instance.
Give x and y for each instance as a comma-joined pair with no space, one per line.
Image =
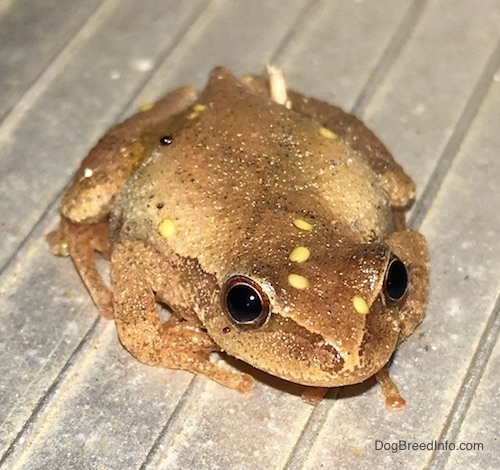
244,302
396,281
166,139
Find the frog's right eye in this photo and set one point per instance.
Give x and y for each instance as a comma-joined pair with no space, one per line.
244,302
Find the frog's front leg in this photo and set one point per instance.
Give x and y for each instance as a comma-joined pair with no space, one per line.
393,399
86,205
81,241
139,277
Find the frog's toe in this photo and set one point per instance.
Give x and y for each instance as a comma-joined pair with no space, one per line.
393,399
57,242
246,383
241,382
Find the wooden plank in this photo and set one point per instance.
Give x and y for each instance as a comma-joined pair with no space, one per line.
417,71
67,110
32,35
82,93
432,366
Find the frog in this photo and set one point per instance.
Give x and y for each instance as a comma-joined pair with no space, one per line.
270,229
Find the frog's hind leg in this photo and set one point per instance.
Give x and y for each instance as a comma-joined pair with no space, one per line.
355,134
119,153
398,185
399,218
138,274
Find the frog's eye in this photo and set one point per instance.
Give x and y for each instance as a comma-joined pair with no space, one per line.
396,281
166,140
244,302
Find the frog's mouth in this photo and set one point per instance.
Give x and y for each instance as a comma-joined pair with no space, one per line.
338,328
345,359
284,348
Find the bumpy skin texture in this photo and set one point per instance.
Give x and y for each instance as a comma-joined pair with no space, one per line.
239,171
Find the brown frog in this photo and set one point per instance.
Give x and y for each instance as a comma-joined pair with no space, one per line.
274,235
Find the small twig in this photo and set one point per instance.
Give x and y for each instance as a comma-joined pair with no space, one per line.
278,86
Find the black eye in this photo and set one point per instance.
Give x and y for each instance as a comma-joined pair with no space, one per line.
166,140
396,281
244,302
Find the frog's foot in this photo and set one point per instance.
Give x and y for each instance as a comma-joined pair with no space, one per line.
189,347
175,344
80,242
241,382
393,399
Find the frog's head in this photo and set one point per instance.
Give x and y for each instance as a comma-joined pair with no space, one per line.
328,313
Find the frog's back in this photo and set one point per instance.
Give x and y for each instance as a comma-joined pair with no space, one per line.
241,160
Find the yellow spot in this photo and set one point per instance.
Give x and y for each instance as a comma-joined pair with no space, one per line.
199,107
147,106
323,131
300,254
302,225
167,228
360,305
197,110
298,281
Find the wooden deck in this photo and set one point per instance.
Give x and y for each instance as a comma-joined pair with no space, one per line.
424,74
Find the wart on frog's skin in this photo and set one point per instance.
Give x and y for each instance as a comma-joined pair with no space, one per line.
226,206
